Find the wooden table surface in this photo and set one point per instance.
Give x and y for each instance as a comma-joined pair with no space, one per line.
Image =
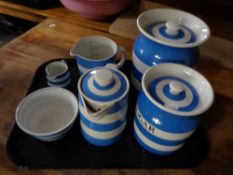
53,38
58,12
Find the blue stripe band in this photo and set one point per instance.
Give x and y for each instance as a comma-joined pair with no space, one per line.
136,73
91,63
101,142
154,138
168,122
146,147
97,86
101,127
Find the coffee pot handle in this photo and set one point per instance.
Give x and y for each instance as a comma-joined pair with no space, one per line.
92,113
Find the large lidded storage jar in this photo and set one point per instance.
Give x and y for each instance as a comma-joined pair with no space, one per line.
166,35
169,107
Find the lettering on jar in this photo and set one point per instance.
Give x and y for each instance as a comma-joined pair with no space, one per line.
144,123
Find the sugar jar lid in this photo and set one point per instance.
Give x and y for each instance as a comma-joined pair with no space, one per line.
172,31
174,93
177,89
104,84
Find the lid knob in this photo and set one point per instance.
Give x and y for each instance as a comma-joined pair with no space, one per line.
103,77
176,87
172,28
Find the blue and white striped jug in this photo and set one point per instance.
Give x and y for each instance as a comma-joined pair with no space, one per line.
169,107
103,103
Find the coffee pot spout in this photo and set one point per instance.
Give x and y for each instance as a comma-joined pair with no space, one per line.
95,112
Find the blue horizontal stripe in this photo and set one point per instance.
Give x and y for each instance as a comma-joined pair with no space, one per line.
168,122
152,53
136,73
91,63
63,85
63,81
155,139
101,142
97,86
101,127
146,147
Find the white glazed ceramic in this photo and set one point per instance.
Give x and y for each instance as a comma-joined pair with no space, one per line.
169,107
57,74
96,51
103,101
47,114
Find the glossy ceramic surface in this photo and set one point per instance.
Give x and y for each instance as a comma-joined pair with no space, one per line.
57,74
169,107
96,9
48,113
166,35
96,51
103,99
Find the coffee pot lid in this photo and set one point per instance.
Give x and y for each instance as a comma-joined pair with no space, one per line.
172,31
104,84
174,93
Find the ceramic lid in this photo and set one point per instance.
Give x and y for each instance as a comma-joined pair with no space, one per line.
177,89
104,85
174,93
172,31
172,27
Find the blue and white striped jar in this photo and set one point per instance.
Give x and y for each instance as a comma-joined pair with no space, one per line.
166,35
169,106
103,103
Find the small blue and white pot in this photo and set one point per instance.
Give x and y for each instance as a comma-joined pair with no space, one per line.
169,107
57,74
166,35
103,99
95,51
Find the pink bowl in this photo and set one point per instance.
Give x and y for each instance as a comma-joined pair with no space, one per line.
96,9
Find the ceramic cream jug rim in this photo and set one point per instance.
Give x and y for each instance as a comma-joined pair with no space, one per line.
48,72
179,68
201,29
74,52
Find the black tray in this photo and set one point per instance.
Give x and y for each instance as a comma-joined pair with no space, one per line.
73,151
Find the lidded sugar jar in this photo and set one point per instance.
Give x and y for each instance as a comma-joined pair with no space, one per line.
169,107
166,35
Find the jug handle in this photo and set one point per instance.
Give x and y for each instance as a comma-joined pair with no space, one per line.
99,114
123,57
